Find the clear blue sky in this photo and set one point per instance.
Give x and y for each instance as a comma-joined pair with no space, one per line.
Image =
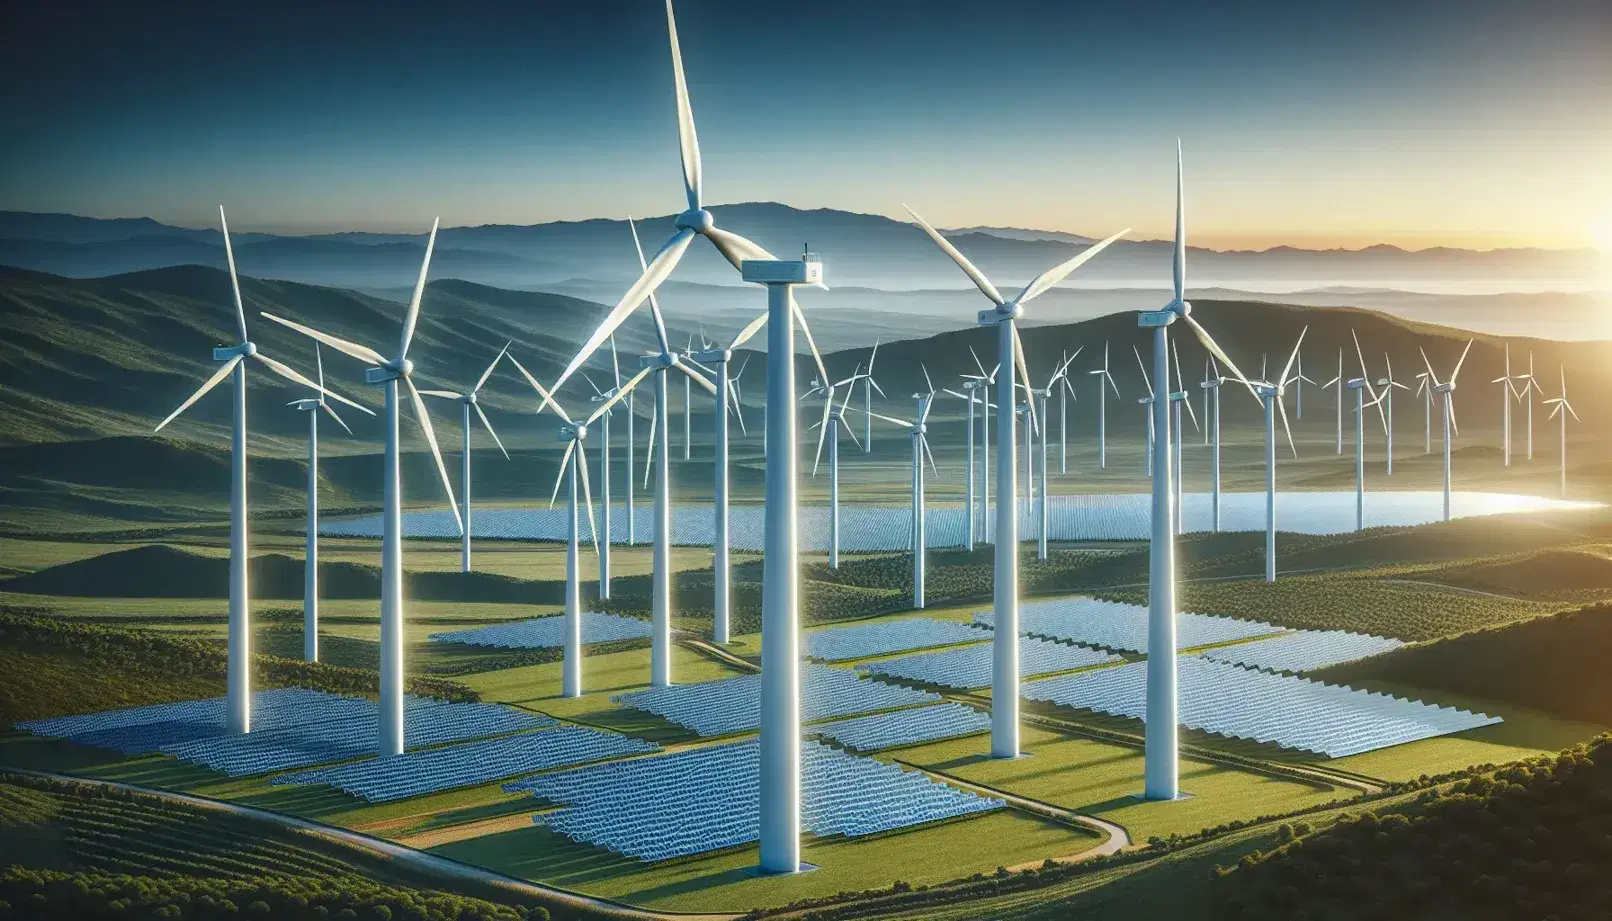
1471,123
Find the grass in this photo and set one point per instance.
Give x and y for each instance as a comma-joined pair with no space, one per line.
1099,778
40,684
727,881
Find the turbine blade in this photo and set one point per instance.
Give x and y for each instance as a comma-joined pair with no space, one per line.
745,334
822,429
353,349
1192,413
734,248
660,267
806,331
234,280
619,395
589,378
1573,411
297,377
1458,364
688,142
927,379
1111,384
848,431
1140,364
1175,356
654,303
564,459
1220,354
1430,375
319,363
442,394
929,454
978,363
1285,428
201,391
978,277
489,426
412,318
1453,426
587,494
1179,264
1057,273
1024,372
615,361
326,408
890,419
1294,357
436,452
874,355
649,455
548,397
481,381
696,377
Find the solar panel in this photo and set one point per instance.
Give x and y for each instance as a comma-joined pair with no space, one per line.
904,727
1116,625
381,780
840,644
971,666
1245,703
732,705
706,799
549,632
1303,650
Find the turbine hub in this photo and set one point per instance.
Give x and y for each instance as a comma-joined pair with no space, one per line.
403,367
249,348
580,432
920,429
698,220
470,398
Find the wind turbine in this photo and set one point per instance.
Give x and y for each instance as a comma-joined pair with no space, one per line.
1339,383
1425,390
573,462
779,787
1179,399
1059,377
969,386
1102,407
1010,353
1271,394
1147,402
688,396
868,386
238,712
920,452
1388,384
1448,389
834,418
310,564
1561,404
1299,380
1365,375
1065,392
1508,392
467,402
1526,394
1211,396
388,373
983,382
1361,385
727,389
1162,754
601,396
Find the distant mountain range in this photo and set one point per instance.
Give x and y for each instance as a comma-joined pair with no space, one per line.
859,250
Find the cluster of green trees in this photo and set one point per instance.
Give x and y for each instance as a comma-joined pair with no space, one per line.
1528,841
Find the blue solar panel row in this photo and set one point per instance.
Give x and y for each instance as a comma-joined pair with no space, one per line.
970,666
1246,703
549,632
142,730
1303,650
707,799
732,705
1115,625
879,731
381,780
841,644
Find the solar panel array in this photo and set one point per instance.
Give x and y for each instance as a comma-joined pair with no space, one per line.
291,728
904,727
1116,625
1245,703
1303,650
707,799
382,780
730,705
549,632
875,528
840,644
970,666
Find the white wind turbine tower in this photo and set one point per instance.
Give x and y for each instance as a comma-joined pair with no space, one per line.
1526,394
1424,389
310,562
780,696
688,401
1010,354
1211,411
834,418
574,461
1271,395
920,453
868,386
1162,755
1102,407
983,382
727,402
1361,386
1179,399
1376,398
606,525
969,386
1508,392
1448,389
467,401
1299,380
1066,391
1339,383
1561,404
1060,380
238,713
1147,403
387,373
1388,384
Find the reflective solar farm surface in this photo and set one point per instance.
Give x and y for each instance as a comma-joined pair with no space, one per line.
877,528
841,644
708,799
549,632
969,667
1116,625
879,731
732,705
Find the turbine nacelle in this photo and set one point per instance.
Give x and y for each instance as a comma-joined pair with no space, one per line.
391,371
1011,310
661,362
244,349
